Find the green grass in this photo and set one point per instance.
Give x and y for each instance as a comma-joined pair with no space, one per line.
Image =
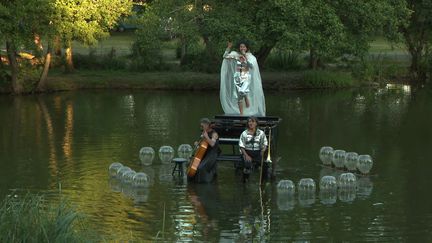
99,79
327,79
121,42
88,79
31,219
119,71
380,45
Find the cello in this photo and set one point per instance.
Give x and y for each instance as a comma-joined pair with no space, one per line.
196,160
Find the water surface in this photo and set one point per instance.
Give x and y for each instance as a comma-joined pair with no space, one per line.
61,145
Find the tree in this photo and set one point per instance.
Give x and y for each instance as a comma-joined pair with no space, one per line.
17,22
86,21
418,37
325,29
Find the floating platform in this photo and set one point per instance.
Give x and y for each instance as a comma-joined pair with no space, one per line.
230,127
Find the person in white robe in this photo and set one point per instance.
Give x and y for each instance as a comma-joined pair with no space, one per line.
241,83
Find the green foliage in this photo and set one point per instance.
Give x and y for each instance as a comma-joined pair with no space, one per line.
284,60
327,29
377,68
20,19
110,61
32,219
146,51
4,79
327,79
86,21
201,62
28,76
418,36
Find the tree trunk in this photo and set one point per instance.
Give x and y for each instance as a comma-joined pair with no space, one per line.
57,46
69,68
13,64
313,59
417,71
416,39
183,51
428,56
262,54
42,81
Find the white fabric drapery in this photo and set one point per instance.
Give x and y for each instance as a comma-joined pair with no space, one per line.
228,93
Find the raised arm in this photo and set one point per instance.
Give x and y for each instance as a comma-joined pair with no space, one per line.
227,52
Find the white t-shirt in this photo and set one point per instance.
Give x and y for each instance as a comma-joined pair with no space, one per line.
253,142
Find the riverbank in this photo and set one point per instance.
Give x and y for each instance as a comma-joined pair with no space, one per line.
100,79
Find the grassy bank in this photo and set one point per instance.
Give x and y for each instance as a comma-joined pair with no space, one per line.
85,79
109,65
31,219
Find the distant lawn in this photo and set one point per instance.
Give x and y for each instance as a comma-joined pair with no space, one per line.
120,41
382,45
122,44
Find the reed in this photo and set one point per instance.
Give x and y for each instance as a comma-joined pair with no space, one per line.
31,218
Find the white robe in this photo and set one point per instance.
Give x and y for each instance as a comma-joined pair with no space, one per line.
228,92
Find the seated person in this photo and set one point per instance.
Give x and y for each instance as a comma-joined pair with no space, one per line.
253,144
207,168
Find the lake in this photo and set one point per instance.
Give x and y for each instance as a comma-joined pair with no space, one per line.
61,145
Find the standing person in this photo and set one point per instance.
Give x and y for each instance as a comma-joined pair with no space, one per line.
241,81
207,169
253,144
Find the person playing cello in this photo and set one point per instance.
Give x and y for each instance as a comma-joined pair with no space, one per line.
206,170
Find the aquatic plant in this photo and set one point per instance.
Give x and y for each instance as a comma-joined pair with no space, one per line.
30,218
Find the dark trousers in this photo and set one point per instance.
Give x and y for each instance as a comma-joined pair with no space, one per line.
246,167
256,159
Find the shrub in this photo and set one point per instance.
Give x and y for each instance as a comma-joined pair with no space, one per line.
201,62
146,50
105,62
327,79
378,68
284,60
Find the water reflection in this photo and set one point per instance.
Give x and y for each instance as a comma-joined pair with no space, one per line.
115,184
205,199
364,187
328,196
285,201
67,138
129,108
138,194
306,198
165,173
347,195
252,228
141,194
149,170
